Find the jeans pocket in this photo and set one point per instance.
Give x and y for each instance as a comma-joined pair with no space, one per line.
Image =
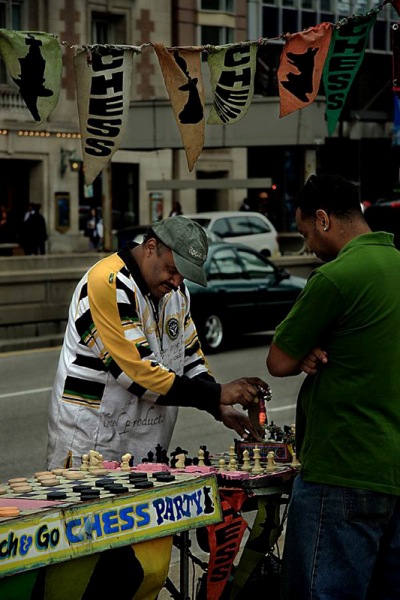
367,507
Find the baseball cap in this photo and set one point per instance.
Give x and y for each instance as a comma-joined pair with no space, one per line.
188,242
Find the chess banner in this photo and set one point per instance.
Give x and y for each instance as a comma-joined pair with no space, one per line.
232,79
103,84
224,543
345,56
181,70
301,65
34,62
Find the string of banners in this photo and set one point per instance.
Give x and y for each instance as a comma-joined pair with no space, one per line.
329,52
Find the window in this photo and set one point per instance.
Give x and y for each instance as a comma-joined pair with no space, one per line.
221,5
10,18
216,36
254,266
227,264
221,227
292,16
108,28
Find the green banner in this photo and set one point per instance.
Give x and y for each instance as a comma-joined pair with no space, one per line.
232,79
34,62
346,52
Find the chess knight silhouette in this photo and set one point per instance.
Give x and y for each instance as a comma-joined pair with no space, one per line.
31,80
193,110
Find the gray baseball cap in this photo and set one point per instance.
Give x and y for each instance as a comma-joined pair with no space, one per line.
189,244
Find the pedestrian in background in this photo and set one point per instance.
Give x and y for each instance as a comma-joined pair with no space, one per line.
33,235
176,209
94,230
343,531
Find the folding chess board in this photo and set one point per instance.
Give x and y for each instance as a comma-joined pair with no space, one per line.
90,513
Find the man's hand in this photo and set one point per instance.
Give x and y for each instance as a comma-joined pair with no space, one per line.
233,419
311,363
242,391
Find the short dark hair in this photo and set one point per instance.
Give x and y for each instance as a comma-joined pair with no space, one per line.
331,193
149,234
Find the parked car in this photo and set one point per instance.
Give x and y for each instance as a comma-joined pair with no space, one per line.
250,228
135,233
246,293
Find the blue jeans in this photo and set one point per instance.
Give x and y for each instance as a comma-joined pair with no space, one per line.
341,543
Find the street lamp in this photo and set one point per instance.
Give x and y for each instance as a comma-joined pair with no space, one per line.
74,162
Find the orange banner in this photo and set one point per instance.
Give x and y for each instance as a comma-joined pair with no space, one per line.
301,65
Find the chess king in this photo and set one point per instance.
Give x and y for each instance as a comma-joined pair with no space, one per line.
131,355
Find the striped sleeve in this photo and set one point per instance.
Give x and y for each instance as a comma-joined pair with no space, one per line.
111,327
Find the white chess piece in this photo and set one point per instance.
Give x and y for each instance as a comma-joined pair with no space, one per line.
180,461
246,461
125,462
271,465
201,457
221,464
257,468
295,461
85,462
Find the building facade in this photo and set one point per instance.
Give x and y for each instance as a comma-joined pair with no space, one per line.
42,163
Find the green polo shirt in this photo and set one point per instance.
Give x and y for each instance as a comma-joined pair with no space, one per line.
348,415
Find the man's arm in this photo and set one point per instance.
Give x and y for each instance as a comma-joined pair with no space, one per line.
281,364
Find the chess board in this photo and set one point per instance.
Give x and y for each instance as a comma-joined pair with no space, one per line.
86,487
91,513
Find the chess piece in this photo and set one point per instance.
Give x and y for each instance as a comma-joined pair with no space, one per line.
257,468
180,461
271,465
95,459
295,461
231,452
85,462
201,457
233,464
221,464
125,462
246,461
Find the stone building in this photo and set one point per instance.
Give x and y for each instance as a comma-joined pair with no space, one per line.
42,163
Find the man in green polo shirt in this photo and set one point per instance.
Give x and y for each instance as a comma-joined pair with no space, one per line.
343,531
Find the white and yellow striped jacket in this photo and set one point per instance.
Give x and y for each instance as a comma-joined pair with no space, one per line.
124,370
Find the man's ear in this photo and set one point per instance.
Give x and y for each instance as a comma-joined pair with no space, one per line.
322,219
150,246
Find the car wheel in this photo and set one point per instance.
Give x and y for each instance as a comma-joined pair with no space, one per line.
266,252
212,333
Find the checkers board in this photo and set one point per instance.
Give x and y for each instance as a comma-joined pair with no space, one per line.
81,516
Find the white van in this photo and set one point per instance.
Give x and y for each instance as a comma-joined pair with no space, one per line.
250,228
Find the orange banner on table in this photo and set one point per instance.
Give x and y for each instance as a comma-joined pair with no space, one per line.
181,70
224,541
301,65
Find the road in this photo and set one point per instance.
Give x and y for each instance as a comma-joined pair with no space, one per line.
25,388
